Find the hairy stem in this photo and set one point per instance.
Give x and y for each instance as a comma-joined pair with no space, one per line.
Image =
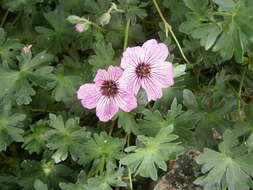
240,93
42,110
222,13
96,25
4,18
111,127
130,179
168,27
126,34
129,170
16,18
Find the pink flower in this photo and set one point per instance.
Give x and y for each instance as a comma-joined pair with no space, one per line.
27,48
106,94
145,66
79,28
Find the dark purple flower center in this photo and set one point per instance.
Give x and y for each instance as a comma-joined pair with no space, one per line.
143,70
109,88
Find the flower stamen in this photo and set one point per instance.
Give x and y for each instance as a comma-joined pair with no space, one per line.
109,88
143,70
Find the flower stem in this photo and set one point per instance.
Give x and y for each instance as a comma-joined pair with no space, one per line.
240,92
222,13
126,34
3,155
42,110
16,18
168,27
4,18
129,170
96,25
130,179
111,127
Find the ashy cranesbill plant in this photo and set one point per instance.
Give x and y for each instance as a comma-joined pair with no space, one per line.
102,94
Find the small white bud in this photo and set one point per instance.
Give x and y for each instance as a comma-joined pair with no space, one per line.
105,19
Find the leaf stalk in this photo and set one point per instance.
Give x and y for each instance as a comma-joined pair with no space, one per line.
168,27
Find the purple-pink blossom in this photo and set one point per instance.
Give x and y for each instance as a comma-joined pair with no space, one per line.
146,66
106,94
79,27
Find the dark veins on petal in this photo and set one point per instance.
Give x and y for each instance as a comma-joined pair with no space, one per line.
109,88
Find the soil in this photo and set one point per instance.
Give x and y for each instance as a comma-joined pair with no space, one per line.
182,173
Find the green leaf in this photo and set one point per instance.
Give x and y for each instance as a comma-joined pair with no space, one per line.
134,9
230,33
8,182
152,122
8,48
104,56
57,38
10,127
127,122
79,185
196,6
152,153
35,141
39,185
102,149
178,70
108,179
17,85
228,168
189,100
66,138
46,171
65,85
17,5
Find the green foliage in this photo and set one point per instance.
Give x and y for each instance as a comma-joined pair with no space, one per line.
103,182
102,149
17,5
45,171
79,185
65,85
66,138
231,167
58,37
18,84
127,122
211,95
152,153
10,127
38,185
9,48
108,179
103,58
228,31
35,141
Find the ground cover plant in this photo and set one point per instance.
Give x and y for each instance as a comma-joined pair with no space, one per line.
106,94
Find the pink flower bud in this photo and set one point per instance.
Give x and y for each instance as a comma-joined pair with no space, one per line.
79,28
27,48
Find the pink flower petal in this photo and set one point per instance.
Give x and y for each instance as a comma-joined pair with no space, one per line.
130,81
126,101
114,73
89,95
152,88
101,76
132,56
162,73
155,52
106,108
